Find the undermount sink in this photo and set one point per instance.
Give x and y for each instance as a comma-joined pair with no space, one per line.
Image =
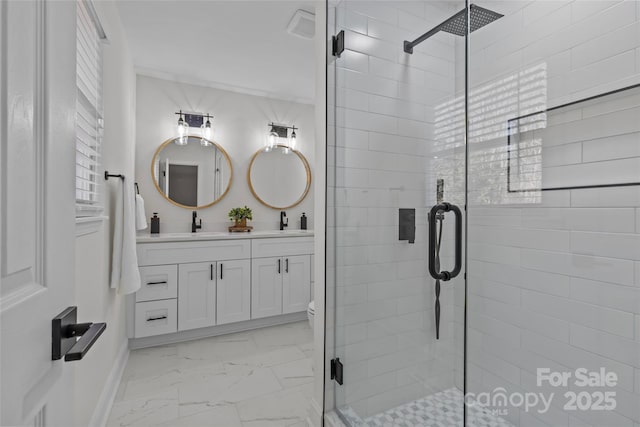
262,232
201,233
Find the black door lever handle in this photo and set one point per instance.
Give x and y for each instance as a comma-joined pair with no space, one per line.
86,341
65,332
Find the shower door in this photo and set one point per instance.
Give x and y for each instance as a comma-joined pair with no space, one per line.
396,139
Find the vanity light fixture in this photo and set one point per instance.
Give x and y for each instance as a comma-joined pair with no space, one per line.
280,131
195,120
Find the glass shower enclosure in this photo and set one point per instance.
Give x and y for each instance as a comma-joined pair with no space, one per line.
483,213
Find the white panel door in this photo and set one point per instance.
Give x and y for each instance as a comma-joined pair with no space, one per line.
37,212
196,295
234,291
296,283
266,287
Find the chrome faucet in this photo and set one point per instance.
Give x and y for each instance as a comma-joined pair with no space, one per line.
194,225
283,216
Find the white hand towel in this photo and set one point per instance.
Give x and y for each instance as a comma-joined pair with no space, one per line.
125,276
141,215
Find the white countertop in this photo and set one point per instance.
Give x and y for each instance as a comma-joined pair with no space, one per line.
220,235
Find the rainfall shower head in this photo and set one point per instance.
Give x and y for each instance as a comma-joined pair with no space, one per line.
457,24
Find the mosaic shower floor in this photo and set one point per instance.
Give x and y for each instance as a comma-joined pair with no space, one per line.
442,409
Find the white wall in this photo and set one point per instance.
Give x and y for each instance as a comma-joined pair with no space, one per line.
554,276
240,127
95,300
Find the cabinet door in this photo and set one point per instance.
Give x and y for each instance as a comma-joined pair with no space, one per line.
196,295
296,283
266,287
234,291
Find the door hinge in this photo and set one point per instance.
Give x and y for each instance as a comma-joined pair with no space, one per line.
336,370
338,44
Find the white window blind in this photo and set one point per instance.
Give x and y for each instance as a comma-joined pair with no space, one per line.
89,114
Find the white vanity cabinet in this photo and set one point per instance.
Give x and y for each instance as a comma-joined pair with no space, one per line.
266,287
296,283
281,276
234,291
200,286
196,295
156,310
158,282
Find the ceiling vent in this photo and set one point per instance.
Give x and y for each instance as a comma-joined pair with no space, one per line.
302,24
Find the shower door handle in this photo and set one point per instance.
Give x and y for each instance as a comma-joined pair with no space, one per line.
445,275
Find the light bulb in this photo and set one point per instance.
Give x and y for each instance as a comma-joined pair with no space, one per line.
207,130
293,140
273,137
182,127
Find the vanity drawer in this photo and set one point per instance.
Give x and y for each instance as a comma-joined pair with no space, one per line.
162,253
156,318
158,282
281,246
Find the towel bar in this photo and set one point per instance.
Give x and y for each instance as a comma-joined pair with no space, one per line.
107,175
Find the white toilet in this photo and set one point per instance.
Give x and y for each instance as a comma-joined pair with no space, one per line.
311,311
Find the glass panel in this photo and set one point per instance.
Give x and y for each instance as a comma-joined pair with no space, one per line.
553,194
399,128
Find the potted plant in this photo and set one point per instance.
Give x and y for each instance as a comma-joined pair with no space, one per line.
240,216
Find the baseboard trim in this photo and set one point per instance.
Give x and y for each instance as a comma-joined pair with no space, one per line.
194,334
105,402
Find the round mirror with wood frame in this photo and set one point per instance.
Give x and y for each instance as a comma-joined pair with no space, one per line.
195,175
279,178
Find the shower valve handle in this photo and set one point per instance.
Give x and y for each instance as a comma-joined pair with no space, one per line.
433,215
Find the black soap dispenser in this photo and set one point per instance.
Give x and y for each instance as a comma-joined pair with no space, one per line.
155,223
303,222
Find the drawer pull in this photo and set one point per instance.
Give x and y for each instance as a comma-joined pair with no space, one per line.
151,319
164,282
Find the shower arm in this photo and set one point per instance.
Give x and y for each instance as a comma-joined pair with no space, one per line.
408,46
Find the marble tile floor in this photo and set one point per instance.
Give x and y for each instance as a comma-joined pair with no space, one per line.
259,378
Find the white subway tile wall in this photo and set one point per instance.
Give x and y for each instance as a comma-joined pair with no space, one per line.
554,276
